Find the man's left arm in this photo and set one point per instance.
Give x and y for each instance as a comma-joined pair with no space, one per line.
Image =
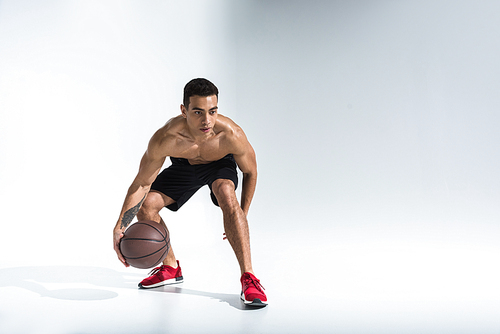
247,162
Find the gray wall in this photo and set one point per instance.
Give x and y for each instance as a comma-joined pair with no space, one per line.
365,115
373,111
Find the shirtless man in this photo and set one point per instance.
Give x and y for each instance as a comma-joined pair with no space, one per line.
204,148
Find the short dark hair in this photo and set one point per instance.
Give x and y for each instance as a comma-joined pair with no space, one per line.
200,87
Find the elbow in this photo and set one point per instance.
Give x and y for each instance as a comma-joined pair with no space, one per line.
141,186
250,175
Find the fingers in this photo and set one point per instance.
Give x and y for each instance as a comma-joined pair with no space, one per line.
116,246
121,258
224,236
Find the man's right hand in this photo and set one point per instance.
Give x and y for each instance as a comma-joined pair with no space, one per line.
117,235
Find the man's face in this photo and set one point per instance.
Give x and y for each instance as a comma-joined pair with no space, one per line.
201,114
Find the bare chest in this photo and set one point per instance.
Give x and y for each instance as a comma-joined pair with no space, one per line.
202,153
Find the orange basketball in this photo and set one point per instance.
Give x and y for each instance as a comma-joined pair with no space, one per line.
145,244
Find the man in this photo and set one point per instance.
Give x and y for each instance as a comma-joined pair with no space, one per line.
204,148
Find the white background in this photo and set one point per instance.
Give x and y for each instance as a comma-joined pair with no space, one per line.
376,130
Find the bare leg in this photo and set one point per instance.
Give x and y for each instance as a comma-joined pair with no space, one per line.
235,223
150,210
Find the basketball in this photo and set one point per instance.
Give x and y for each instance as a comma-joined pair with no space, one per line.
145,244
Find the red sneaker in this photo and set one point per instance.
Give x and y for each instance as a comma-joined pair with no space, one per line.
162,275
252,292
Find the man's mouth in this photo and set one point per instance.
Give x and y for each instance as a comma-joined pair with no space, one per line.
205,129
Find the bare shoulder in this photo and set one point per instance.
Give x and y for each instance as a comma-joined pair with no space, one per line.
172,127
233,134
229,127
165,139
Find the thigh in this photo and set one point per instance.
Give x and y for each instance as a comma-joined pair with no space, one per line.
176,184
220,173
224,168
223,192
158,200
174,181
152,205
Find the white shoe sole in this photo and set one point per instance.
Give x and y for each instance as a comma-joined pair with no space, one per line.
255,303
166,282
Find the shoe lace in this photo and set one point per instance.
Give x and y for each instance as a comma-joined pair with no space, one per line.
154,271
256,283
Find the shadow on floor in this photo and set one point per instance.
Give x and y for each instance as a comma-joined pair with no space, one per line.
231,299
34,278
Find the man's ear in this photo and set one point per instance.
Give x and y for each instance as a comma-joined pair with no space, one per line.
183,111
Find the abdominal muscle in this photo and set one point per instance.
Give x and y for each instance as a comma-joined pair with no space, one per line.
200,157
208,158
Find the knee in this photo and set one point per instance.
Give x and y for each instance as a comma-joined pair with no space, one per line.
151,206
225,193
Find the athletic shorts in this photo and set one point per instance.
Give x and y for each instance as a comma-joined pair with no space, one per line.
181,180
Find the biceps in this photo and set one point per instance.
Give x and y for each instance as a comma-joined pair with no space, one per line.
148,170
247,162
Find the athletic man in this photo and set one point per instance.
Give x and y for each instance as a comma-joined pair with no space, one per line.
204,148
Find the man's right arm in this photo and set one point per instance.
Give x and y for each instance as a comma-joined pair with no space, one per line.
150,166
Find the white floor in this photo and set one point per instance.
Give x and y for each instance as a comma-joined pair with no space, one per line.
344,281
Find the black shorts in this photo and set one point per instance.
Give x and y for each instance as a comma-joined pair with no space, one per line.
181,179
